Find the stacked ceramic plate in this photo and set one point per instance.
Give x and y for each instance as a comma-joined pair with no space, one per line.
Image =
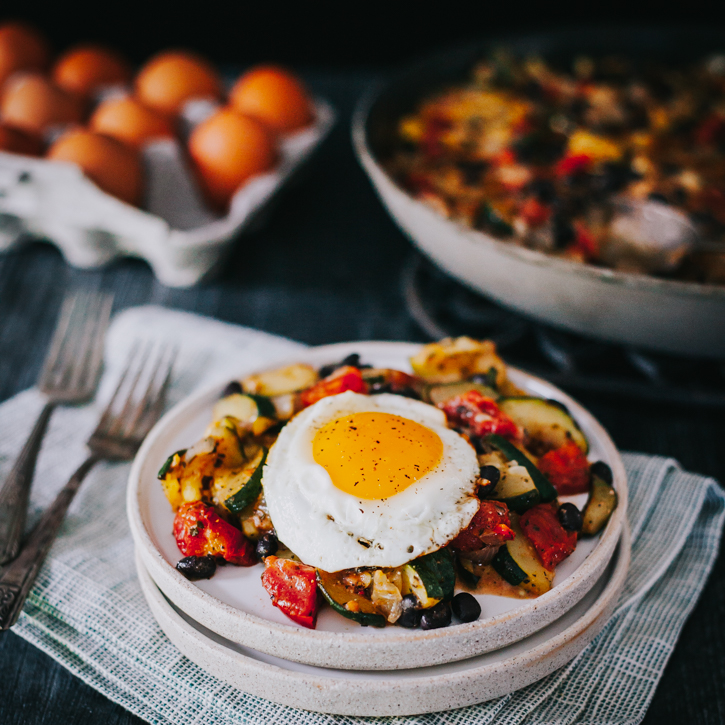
228,626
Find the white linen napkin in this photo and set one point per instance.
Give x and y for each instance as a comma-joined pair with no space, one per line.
87,610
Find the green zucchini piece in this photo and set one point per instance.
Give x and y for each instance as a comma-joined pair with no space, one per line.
168,463
546,491
280,381
548,421
517,489
339,597
249,490
505,565
431,577
437,394
245,407
600,506
467,577
264,405
519,564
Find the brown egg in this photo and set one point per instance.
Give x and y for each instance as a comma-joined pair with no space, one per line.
86,68
128,120
227,149
275,96
170,79
33,103
113,166
18,142
21,48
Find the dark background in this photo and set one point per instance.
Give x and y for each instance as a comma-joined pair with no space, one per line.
359,34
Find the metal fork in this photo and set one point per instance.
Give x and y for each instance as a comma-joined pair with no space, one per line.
135,406
70,375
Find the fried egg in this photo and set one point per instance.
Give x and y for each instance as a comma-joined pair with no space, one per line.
357,480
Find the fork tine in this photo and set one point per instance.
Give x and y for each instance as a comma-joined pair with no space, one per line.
118,424
108,416
90,343
152,400
64,319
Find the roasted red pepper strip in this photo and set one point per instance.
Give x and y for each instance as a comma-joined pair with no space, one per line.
478,416
567,468
343,379
293,588
200,531
553,543
491,526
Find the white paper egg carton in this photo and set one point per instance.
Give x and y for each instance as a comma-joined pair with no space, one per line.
175,232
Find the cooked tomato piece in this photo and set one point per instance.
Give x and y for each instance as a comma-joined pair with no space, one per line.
200,531
293,588
534,212
491,526
573,164
553,543
567,468
585,242
478,416
343,379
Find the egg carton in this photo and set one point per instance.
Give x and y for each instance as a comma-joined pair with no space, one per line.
175,232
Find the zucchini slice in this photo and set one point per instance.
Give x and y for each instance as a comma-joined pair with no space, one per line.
600,506
280,381
519,564
468,578
173,460
437,394
516,488
547,421
244,488
346,602
255,412
431,578
546,491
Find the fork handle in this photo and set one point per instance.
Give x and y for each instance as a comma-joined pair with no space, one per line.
15,492
18,578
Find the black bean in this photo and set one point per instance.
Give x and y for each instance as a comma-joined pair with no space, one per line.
197,567
570,517
233,388
267,546
410,618
490,476
613,178
563,231
466,607
471,171
353,360
603,471
435,617
544,190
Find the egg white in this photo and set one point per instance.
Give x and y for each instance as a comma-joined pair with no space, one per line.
332,530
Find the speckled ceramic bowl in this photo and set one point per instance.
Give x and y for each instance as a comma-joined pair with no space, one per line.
234,605
635,309
404,692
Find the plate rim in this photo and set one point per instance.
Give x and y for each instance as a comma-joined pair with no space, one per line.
303,645
327,694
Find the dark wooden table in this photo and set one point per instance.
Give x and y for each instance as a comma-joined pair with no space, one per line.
326,268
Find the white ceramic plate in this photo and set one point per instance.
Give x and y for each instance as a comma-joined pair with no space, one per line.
234,605
404,692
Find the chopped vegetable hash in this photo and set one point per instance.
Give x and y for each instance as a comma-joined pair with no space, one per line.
529,452
539,156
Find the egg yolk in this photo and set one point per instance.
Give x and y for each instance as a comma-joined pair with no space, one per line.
375,455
